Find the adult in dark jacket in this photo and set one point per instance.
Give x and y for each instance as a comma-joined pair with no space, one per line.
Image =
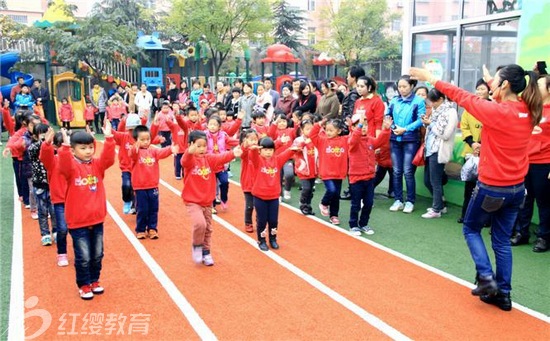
307,101
348,104
38,91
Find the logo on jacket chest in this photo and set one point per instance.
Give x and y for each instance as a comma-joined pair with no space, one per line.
89,180
147,160
202,171
336,151
271,171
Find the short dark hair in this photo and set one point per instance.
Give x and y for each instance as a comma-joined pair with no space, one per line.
206,85
41,128
196,135
139,129
408,79
481,81
435,95
38,80
81,137
355,71
268,79
267,143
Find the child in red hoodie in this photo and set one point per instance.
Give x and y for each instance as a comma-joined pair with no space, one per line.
249,137
362,164
115,111
85,204
199,191
89,113
145,180
267,188
333,164
305,165
66,114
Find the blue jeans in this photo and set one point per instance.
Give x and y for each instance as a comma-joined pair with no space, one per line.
402,154
267,218
61,224
178,169
501,205
433,179
223,183
127,190
19,179
114,123
361,191
88,253
147,207
45,207
332,196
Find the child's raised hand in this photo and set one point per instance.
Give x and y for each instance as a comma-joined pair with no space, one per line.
237,151
66,139
50,134
108,129
486,74
156,119
285,139
295,148
241,114
192,149
388,121
6,152
323,122
255,146
175,149
162,139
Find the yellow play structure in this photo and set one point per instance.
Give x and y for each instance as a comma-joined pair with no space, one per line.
68,85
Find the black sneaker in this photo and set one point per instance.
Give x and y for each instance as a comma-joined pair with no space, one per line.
519,239
460,220
541,245
485,286
263,246
500,300
273,244
346,195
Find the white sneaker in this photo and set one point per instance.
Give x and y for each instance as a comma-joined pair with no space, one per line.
397,206
355,231
443,211
207,260
431,214
197,254
62,260
286,195
409,207
367,230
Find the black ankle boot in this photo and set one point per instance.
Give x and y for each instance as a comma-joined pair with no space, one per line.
500,300
485,286
263,245
273,243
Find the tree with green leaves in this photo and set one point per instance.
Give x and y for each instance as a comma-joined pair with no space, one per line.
108,35
287,22
358,31
221,25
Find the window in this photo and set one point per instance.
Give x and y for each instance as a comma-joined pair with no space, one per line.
311,5
21,19
421,20
396,25
438,46
311,36
455,17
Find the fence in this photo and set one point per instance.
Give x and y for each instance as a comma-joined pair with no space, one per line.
27,48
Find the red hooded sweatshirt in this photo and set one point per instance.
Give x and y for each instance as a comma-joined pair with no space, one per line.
333,154
85,203
267,173
66,113
145,166
362,162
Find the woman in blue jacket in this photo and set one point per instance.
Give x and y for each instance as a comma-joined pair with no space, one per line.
406,110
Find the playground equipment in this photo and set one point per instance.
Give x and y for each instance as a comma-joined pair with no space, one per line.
279,54
153,77
68,85
7,61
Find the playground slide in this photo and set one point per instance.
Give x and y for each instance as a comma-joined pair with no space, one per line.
68,85
7,61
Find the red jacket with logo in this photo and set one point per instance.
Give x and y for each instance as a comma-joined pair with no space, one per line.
58,183
145,166
305,160
362,161
539,144
333,154
85,203
247,171
199,181
267,173
506,132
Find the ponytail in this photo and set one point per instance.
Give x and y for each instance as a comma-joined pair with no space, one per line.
533,99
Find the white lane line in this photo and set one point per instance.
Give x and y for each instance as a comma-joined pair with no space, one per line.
354,308
16,326
418,263
183,304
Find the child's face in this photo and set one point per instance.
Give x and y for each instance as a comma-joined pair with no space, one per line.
223,115
84,152
260,90
201,146
213,126
204,105
306,129
193,116
236,94
165,109
252,139
286,92
267,152
176,107
158,91
206,90
260,121
282,124
144,139
64,101
331,131
196,86
25,90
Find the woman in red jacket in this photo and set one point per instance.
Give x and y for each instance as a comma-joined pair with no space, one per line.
507,125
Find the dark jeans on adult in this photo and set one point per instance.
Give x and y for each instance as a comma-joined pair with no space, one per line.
361,192
381,174
88,253
61,225
167,138
99,118
45,208
538,189
127,190
307,191
402,155
248,208
501,205
147,207
433,179
114,123
267,218
332,196
468,190
178,169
